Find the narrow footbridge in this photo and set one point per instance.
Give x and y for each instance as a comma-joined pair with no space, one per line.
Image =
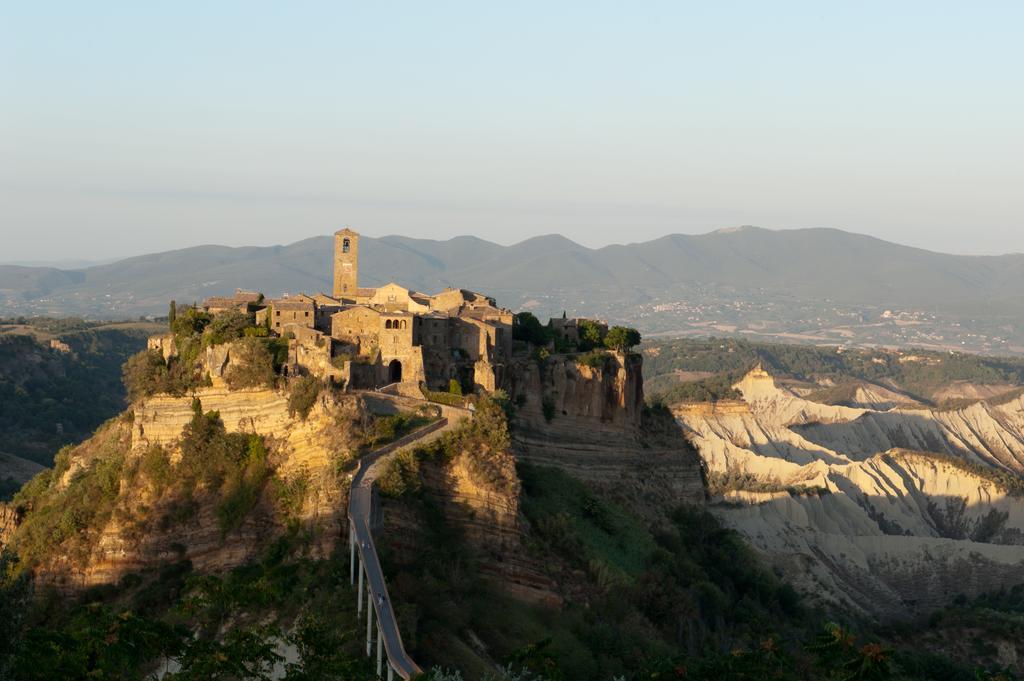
365,564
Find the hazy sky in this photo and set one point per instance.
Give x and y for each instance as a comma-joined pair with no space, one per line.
129,127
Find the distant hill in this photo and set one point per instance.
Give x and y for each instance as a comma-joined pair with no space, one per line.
791,276
52,396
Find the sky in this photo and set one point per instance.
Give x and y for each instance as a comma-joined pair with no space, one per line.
130,127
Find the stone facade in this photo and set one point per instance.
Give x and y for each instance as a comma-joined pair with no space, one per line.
346,263
371,337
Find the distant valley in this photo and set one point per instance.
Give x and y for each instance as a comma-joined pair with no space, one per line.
818,286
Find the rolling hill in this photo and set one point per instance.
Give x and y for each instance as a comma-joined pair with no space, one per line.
791,280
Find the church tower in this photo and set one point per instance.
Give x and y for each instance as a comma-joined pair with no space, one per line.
346,263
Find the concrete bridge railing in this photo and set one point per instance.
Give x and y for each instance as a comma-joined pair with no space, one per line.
365,564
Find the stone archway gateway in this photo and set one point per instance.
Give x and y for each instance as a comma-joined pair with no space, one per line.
394,371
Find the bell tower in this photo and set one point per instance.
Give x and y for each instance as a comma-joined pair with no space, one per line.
346,263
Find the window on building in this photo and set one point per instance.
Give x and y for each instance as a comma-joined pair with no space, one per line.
344,246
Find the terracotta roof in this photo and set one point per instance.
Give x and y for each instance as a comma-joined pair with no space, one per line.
291,304
220,301
349,308
247,296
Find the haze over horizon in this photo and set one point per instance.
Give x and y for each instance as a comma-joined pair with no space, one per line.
72,263
129,129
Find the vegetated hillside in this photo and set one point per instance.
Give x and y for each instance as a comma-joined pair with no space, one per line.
205,530
923,376
200,533
52,396
624,597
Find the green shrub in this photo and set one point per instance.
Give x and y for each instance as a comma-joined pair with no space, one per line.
595,359
440,397
191,322
290,495
242,485
454,387
384,429
227,326
145,374
231,466
591,335
622,338
526,327
302,394
401,476
71,519
155,466
738,479
278,349
252,365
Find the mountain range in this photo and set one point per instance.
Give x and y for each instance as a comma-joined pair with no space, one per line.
748,275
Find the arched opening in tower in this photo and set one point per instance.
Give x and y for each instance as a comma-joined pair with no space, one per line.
394,371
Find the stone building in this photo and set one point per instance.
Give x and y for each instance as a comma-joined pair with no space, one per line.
370,337
298,310
568,328
242,301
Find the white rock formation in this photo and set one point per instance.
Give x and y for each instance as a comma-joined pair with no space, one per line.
852,514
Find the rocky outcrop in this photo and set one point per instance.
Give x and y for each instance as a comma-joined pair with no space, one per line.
305,452
592,423
481,498
606,397
832,495
9,518
165,345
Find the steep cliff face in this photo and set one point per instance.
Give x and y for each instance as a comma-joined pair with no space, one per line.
9,517
833,495
482,499
592,423
148,522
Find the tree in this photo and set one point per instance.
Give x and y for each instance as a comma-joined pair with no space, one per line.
526,327
227,326
590,335
172,314
622,338
252,365
145,373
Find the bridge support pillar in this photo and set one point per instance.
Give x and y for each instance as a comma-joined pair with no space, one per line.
369,630
380,649
352,551
359,601
391,672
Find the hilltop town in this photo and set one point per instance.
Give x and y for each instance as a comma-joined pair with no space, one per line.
366,338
